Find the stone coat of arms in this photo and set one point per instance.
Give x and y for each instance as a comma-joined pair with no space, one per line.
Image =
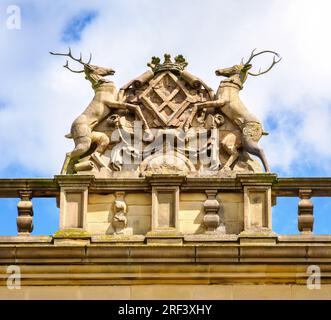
166,121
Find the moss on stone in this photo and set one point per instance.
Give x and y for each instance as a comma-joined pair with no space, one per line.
72,234
164,233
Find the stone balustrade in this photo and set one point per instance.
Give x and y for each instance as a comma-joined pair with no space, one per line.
71,192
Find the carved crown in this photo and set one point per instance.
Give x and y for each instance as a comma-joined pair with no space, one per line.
179,64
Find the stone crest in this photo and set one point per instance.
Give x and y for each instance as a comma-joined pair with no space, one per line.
166,121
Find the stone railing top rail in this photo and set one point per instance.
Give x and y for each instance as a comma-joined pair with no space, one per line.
283,187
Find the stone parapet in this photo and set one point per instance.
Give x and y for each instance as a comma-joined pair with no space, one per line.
132,261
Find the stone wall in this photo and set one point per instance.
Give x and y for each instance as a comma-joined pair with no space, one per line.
139,205
169,292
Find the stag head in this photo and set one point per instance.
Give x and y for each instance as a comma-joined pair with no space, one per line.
242,69
92,73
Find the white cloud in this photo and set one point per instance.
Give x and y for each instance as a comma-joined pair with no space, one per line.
43,98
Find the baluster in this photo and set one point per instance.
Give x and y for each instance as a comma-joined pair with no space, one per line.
25,213
211,218
305,211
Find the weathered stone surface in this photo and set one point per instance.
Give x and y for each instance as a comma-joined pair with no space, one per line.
169,292
138,198
176,109
140,224
100,199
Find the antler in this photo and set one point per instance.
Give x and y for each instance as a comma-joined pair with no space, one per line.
69,54
274,61
67,67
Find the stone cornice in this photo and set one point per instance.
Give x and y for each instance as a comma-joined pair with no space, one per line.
286,261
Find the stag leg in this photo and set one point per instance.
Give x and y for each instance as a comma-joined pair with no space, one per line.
82,145
230,147
213,104
252,147
66,163
102,142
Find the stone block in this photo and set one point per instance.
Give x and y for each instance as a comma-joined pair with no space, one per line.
138,199
139,224
230,197
231,211
100,228
99,216
189,227
214,292
233,227
98,198
161,292
261,292
187,205
257,207
301,292
192,197
139,210
99,207
73,210
12,294
196,216
105,292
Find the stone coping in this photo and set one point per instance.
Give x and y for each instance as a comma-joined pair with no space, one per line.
283,187
187,239
42,247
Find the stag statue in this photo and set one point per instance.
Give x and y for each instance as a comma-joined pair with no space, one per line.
227,99
105,98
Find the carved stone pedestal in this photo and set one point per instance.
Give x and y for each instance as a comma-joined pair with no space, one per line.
165,209
73,205
257,204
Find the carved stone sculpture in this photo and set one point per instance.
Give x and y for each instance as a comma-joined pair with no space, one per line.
166,121
120,220
227,99
105,98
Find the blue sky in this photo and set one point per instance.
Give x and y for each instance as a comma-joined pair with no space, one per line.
39,99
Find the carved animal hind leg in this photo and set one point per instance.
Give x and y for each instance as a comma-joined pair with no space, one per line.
229,145
102,142
66,163
252,147
82,145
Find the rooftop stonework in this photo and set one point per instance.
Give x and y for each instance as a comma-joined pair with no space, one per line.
166,120
160,198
